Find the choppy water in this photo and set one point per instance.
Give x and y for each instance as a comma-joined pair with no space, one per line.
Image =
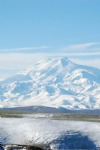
59,135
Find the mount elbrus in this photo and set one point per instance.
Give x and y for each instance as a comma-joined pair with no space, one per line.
53,82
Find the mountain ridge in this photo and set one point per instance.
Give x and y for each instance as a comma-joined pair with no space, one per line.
53,82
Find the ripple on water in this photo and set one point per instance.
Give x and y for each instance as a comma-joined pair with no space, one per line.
73,141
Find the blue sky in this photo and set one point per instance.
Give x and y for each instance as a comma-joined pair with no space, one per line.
33,29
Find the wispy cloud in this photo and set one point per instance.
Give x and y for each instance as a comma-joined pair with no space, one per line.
13,60
83,46
83,54
23,49
88,62
18,60
13,63
92,48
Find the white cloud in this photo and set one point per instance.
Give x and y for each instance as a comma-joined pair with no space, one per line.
21,61
90,62
23,49
18,61
83,46
84,54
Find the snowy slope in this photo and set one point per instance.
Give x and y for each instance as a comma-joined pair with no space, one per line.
55,82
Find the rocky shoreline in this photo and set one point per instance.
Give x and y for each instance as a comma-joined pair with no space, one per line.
22,147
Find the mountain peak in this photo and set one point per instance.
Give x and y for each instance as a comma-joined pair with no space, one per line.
56,82
64,61
59,58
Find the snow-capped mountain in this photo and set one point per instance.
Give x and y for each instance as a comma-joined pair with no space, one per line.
54,82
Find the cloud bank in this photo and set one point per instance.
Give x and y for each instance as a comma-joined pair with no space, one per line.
13,60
